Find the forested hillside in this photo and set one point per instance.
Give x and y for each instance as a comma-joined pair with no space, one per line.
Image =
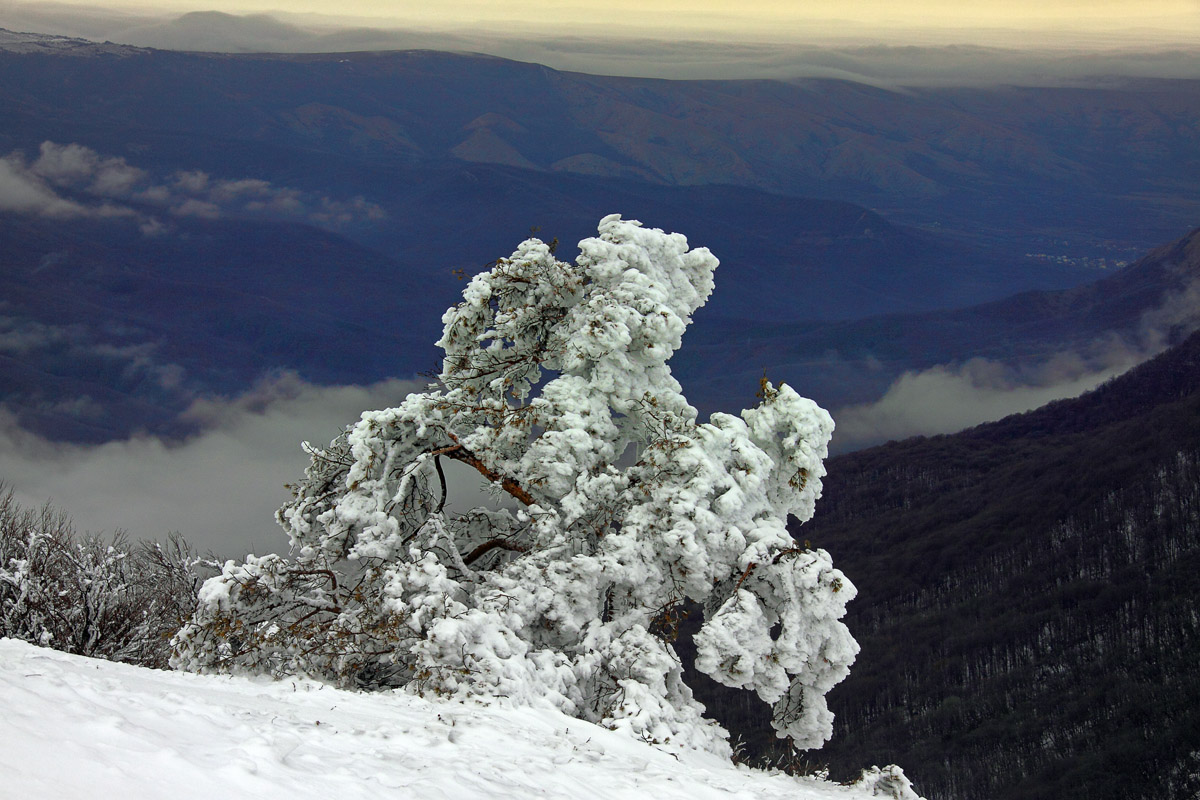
1027,597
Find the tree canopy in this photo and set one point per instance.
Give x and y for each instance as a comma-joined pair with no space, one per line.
613,506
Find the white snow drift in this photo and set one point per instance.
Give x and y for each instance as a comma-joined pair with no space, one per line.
75,727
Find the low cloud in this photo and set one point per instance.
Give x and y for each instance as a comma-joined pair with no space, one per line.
343,212
76,165
24,192
191,207
948,399
71,180
221,487
20,337
952,397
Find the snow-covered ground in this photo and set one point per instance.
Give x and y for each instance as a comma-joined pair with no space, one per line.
74,727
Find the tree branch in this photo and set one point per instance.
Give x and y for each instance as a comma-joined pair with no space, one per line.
460,453
328,573
489,546
437,462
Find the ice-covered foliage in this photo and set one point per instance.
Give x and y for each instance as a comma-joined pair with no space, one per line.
614,506
887,782
88,594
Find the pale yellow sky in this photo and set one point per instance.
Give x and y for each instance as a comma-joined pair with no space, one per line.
761,16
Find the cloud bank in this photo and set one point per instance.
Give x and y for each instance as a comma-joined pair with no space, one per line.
951,398
948,398
73,181
219,488
27,189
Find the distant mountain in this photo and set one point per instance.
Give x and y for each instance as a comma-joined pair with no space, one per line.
105,330
456,146
1062,172
220,300
1027,597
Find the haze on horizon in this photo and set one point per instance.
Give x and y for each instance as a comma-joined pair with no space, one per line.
917,43
771,19
1002,23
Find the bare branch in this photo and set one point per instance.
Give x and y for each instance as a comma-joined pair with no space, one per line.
437,462
326,572
460,453
490,545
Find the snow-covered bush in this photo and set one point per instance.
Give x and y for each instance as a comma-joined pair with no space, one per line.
887,782
91,595
614,506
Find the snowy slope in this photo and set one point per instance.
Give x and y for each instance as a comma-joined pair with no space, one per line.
76,727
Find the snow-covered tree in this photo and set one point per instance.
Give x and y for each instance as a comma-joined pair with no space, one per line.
614,506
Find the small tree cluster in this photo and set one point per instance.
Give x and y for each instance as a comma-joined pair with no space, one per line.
91,595
615,505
